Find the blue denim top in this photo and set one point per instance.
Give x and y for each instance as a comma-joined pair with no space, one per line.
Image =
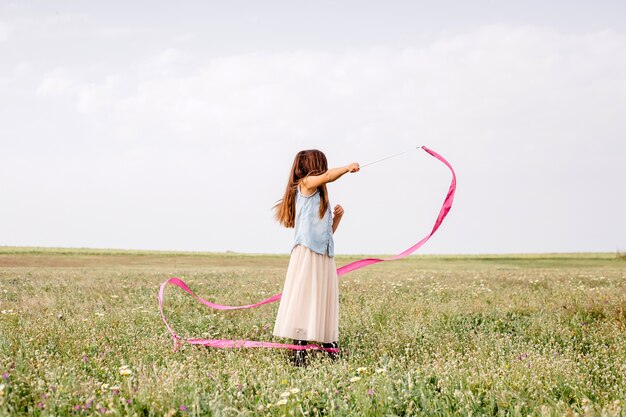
311,231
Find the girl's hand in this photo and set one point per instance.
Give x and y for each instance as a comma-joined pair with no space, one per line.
353,167
338,211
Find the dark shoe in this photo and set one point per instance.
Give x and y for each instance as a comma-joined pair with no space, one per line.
299,356
332,355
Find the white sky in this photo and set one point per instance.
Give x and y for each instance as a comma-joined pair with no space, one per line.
154,125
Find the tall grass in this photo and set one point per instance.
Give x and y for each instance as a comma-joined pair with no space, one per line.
80,334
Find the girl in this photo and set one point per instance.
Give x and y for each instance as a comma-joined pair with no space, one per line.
309,307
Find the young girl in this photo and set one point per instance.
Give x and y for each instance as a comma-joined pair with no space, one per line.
309,307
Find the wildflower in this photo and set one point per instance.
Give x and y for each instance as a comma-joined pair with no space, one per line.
361,369
85,358
89,403
285,394
282,402
294,390
5,376
182,407
370,392
125,370
355,379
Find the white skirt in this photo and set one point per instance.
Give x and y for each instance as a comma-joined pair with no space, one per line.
309,306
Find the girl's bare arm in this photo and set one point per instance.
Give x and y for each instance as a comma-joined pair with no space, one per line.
311,182
337,215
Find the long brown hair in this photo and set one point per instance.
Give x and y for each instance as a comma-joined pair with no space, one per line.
309,162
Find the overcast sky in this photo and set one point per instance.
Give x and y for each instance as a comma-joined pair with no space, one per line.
173,125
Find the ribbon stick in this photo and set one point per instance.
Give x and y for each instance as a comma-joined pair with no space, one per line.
220,343
388,157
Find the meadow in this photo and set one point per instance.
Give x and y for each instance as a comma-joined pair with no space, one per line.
81,334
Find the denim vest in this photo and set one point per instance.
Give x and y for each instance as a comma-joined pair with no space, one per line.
311,231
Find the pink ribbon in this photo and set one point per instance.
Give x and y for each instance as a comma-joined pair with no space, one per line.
220,343
443,212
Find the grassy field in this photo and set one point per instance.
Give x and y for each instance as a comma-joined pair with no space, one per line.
80,334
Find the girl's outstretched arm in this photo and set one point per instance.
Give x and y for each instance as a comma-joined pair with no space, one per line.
311,182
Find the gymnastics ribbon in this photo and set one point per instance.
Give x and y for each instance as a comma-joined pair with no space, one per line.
224,343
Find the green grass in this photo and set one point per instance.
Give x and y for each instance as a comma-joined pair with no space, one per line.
437,335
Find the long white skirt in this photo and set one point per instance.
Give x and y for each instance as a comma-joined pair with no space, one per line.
309,306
